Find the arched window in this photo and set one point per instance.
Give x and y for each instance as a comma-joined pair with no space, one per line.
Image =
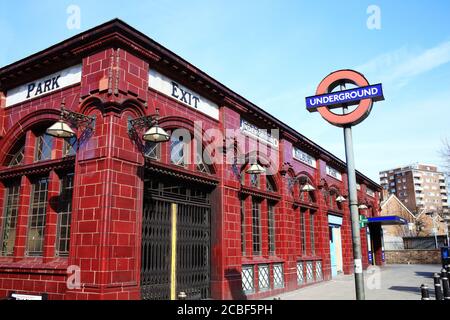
70,146
270,184
15,157
332,199
306,189
36,200
203,162
44,145
178,150
152,150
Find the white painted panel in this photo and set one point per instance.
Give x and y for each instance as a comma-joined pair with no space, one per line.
304,157
189,98
50,83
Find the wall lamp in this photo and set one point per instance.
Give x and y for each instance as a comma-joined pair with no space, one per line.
62,129
340,199
304,182
154,133
256,168
363,207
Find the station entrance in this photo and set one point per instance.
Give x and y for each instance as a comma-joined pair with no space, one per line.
176,236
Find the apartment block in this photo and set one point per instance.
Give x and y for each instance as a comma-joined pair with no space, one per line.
420,187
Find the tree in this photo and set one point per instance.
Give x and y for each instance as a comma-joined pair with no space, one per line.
445,155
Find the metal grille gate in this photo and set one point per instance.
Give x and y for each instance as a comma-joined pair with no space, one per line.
192,250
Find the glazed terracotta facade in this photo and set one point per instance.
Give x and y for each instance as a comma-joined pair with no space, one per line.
109,170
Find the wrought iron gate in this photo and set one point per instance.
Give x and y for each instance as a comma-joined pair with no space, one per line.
183,256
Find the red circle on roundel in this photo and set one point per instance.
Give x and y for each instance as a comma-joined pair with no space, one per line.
357,115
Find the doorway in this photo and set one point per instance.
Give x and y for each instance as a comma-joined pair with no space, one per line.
176,237
334,225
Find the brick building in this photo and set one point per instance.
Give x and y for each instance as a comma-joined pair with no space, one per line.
106,215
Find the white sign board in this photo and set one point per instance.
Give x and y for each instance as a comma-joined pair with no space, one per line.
335,220
45,85
182,94
304,157
370,192
334,173
25,297
263,135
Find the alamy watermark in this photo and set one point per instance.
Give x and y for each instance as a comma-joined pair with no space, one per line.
212,146
373,279
74,19
374,19
74,278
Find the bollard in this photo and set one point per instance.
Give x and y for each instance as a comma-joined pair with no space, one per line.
425,292
445,288
182,295
437,287
444,273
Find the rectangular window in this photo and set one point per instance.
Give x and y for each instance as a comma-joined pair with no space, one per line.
10,213
311,234
303,230
263,276
271,229
248,279
37,217
300,274
44,144
64,216
256,223
243,226
278,276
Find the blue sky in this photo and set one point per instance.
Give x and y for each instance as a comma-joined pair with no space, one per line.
275,53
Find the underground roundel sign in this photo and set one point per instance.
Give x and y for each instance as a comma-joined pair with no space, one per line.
327,99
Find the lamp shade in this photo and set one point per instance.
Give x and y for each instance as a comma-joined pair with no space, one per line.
60,129
156,134
341,199
363,207
308,187
256,169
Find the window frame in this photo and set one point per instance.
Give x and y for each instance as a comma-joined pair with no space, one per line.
312,233
40,144
303,213
271,229
256,228
41,206
64,200
11,212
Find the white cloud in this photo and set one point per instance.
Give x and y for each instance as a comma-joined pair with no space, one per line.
398,67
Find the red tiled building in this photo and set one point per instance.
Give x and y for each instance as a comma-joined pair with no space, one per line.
107,216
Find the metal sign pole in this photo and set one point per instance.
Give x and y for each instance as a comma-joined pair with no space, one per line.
353,201
325,100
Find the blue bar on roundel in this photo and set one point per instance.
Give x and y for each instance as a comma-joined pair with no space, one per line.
346,97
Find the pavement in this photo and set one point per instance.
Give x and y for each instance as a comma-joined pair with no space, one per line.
391,282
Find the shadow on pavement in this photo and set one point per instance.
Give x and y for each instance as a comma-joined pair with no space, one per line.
404,288
425,274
